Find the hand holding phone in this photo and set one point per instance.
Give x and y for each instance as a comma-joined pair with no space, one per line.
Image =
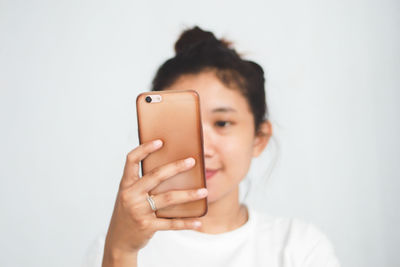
171,153
133,222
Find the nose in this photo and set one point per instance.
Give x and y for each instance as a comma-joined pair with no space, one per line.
208,142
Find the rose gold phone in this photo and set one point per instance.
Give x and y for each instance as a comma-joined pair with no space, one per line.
174,117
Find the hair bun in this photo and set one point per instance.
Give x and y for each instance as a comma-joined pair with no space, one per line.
194,36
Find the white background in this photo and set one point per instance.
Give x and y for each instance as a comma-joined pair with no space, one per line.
70,72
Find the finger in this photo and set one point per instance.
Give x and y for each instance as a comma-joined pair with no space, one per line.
160,174
175,224
131,172
177,197
131,169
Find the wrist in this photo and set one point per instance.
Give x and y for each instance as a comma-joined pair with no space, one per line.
117,257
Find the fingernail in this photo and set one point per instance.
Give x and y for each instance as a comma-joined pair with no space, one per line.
157,143
202,192
189,161
196,224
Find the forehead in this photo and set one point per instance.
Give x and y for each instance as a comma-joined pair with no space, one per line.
213,93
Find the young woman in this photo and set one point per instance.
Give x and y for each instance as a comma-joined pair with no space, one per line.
236,129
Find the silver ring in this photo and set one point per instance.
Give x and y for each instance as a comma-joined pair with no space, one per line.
152,203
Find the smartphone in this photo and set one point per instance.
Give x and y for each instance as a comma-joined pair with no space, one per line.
174,117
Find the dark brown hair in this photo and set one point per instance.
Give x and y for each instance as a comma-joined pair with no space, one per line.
198,50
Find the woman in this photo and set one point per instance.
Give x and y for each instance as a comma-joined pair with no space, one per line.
235,129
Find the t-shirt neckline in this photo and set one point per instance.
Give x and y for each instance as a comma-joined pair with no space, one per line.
235,234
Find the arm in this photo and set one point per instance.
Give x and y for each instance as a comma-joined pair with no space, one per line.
118,259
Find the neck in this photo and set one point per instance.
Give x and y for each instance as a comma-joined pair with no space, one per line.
225,214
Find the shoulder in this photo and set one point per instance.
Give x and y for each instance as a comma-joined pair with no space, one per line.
295,227
291,230
297,239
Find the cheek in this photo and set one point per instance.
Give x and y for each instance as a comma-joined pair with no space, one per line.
237,154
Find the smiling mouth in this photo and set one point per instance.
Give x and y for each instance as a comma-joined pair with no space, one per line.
210,173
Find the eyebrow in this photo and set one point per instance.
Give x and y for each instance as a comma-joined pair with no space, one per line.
224,109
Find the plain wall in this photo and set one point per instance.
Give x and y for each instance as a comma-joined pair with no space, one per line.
70,72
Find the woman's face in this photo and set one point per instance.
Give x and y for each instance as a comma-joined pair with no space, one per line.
228,131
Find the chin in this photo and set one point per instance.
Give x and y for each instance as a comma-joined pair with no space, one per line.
211,199
213,196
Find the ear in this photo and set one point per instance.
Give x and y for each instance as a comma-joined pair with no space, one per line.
262,138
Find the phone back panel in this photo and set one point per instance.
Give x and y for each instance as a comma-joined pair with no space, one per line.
176,121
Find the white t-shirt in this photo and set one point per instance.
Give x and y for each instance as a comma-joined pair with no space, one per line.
263,240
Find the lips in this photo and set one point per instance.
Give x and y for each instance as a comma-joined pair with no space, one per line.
210,173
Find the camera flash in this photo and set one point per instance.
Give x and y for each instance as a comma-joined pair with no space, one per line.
156,98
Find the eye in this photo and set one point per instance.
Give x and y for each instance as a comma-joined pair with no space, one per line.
222,124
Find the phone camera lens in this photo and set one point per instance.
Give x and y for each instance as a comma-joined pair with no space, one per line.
148,99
